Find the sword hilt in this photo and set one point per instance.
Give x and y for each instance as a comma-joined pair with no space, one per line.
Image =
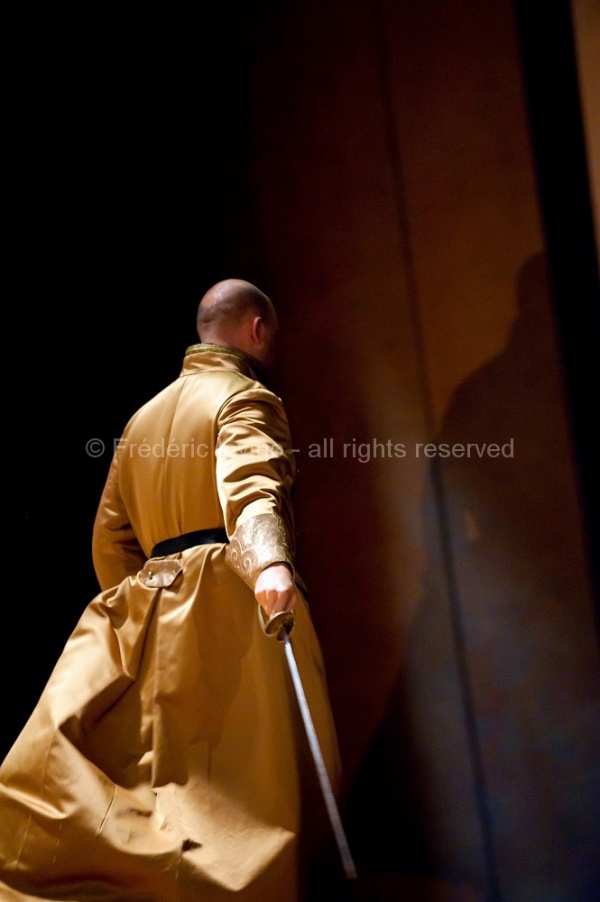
279,625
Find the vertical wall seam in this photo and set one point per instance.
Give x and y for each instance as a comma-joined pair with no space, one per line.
396,167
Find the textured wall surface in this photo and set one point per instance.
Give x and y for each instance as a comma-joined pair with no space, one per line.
398,208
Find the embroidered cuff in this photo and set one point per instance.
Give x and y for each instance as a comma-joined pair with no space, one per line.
260,541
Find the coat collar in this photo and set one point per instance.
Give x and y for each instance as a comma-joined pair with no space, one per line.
222,357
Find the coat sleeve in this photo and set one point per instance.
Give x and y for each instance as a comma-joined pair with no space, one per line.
255,470
116,553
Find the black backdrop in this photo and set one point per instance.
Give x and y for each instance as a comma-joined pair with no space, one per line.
562,158
127,192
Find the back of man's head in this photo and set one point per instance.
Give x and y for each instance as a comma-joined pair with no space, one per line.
225,307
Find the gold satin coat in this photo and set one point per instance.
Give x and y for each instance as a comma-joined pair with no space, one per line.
165,760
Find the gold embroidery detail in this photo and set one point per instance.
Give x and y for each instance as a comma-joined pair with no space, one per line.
260,541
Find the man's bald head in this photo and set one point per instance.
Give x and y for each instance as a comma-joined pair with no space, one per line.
235,313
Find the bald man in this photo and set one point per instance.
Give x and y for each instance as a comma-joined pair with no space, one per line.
165,759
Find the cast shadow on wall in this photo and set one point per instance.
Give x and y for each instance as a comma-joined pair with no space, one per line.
484,777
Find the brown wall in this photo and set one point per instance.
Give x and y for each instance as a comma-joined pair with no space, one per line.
586,26
397,203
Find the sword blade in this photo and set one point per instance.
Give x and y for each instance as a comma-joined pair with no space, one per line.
281,625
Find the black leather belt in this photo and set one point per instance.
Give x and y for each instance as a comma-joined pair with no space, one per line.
188,540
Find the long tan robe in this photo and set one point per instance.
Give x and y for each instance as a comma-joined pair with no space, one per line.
165,760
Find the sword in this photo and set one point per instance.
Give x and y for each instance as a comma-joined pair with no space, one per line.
281,625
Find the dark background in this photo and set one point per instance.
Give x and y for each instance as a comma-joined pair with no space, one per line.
127,187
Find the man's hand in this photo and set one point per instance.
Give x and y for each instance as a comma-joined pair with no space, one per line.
275,589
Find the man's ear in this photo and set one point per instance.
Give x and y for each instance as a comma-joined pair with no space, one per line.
256,331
